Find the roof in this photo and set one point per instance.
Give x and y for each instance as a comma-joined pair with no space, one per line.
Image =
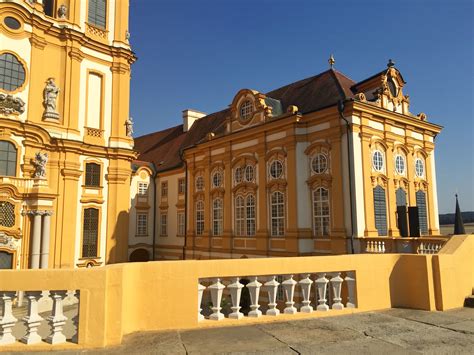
164,148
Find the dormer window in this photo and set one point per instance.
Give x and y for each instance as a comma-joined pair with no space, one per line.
392,87
246,110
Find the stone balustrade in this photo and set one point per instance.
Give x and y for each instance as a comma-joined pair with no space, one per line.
323,290
34,320
429,247
375,246
408,245
21,183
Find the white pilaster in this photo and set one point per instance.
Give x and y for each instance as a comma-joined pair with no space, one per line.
36,240
45,238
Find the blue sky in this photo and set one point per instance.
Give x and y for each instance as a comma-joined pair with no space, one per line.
199,53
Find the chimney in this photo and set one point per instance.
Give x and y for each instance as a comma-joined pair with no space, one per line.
189,116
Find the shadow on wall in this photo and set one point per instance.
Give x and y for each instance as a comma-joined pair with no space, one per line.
118,241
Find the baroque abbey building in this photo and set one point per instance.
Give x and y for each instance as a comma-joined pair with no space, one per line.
65,152
316,167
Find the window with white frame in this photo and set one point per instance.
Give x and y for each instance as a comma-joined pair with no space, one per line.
377,160
97,11
142,224
217,217
238,175
250,215
199,183
319,163
164,189
246,110
217,178
276,169
249,173
239,216
164,224
321,212
419,167
180,218
181,186
400,164
199,217
277,210
143,188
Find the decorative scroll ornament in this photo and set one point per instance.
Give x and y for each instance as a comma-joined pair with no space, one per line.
50,95
40,165
129,126
62,11
7,241
10,104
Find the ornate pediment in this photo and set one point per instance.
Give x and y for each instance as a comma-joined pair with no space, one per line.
11,105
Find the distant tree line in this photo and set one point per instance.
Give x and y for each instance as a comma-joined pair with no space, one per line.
448,218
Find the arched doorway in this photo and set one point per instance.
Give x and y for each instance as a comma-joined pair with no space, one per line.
140,255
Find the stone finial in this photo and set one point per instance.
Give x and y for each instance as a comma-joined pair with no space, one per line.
390,63
62,12
331,61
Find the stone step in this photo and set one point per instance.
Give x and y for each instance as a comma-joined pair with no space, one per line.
469,302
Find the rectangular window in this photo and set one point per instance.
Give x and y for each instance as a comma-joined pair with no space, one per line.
97,13
142,224
143,188
164,224
94,101
217,217
164,189
92,175
321,212
199,217
422,211
380,210
181,186
180,218
90,233
7,159
277,214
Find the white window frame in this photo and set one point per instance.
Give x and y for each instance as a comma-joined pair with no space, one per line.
277,220
217,216
240,216
400,164
164,224
246,110
321,219
164,189
199,217
181,223
142,188
420,163
181,186
199,183
319,163
249,173
217,178
273,164
375,160
142,224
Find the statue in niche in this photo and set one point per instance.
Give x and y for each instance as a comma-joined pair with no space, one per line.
50,95
62,11
129,126
40,165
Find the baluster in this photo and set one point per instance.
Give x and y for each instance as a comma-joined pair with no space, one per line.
235,293
7,320
368,245
420,248
216,295
305,285
321,284
350,281
383,247
33,319
57,319
75,319
254,289
201,289
289,285
379,246
336,283
272,288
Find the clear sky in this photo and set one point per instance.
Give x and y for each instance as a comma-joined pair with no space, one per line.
199,53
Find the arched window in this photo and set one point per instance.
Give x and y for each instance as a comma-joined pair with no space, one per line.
321,212
380,210
90,233
8,154
277,211
239,216
199,217
7,214
250,215
217,217
97,13
422,211
401,197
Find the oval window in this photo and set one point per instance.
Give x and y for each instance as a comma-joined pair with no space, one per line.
12,72
12,23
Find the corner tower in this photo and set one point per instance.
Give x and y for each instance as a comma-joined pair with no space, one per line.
65,133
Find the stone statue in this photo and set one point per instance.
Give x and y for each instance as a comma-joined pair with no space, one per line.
11,105
129,127
62,11
50,94
127,35
40,165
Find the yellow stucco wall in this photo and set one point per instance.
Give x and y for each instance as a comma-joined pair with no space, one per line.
124,298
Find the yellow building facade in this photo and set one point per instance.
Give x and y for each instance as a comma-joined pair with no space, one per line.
325,165
65,133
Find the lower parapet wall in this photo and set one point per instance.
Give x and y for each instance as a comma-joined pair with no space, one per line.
124,298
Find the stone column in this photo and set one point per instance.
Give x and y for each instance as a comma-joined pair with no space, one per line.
36,240
45,238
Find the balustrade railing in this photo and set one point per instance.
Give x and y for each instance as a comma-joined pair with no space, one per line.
20,183
418,245
11,332
324,290
375,246
429,247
